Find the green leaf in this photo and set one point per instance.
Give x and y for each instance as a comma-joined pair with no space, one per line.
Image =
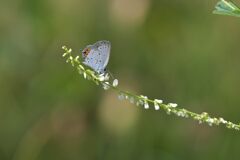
226,8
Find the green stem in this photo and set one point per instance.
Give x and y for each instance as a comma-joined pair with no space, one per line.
169,108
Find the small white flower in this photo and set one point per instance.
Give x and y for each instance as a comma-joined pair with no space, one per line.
139,102
64,54
115,83
168,111
210,121
158,101
101,77
184,113
131,100
230,125
156,106
173,105
180,113
222,120
81,67
64,47
106,77
146,105
76,58
144,102
120,96
144,97
106,86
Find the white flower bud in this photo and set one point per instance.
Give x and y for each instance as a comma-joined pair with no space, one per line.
158,101
156,106
115,83
120,96
146,105
106,77
106,86
173,105
101,78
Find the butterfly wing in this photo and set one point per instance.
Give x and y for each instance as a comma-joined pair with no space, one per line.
96,56
90,59
104,48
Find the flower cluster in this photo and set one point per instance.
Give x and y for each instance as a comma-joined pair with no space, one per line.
144,101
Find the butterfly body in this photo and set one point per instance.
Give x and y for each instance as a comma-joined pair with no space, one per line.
96,56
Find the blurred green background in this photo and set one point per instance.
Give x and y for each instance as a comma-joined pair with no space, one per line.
174,50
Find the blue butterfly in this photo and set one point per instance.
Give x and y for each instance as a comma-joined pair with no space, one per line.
96,56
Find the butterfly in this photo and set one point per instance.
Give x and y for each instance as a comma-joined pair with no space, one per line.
96,56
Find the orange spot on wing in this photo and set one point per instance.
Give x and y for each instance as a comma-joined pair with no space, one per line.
86,51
